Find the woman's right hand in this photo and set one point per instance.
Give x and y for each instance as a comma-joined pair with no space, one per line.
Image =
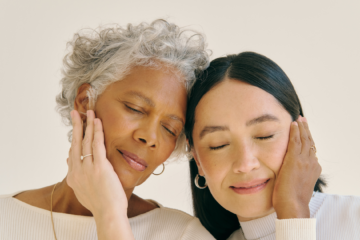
94,181
298,174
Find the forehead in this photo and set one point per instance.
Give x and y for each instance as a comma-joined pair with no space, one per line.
234,100
161,77
161,87
156,83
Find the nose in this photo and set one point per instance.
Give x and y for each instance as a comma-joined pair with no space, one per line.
147,134
245,159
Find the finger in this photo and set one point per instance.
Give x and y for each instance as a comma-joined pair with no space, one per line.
69,162
305,144
311,140
88,138
294,146
77,135
306,125
312,152
99,150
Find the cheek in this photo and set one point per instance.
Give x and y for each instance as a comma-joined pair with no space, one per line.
164,152
214,167
275,153
116,124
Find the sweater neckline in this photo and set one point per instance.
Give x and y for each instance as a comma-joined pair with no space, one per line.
68,216
265,226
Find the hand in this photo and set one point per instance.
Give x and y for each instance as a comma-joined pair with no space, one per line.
298,174
93,179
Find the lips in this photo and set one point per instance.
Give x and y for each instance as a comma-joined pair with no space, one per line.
133,160
250,187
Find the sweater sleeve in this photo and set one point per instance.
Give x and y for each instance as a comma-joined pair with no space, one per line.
196,231
296,229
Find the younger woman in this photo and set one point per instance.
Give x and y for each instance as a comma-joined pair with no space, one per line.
240,125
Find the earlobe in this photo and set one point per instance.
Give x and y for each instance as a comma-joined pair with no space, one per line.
201,172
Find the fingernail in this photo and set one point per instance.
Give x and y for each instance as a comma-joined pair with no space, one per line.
295,123
304,119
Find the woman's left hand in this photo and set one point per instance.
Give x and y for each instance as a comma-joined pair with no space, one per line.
298,174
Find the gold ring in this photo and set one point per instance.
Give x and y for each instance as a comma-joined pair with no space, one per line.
313,148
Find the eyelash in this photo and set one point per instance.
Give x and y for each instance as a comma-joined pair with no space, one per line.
260,138
132,109
137,111
170,131
265,138
218,147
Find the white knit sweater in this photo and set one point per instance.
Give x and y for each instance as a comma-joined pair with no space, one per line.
19,220
337,217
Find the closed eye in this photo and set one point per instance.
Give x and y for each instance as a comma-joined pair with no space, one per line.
170,131
218,147
133,109
265,138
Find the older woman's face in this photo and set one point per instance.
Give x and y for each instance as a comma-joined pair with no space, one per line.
240,137
142,116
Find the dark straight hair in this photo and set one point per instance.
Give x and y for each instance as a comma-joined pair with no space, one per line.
259,71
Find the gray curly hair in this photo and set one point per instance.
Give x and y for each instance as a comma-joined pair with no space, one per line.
101,57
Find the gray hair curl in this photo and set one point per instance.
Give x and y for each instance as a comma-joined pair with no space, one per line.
101,57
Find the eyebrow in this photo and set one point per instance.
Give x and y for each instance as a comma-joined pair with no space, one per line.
263,118
147,100
211,129
174,117
150,102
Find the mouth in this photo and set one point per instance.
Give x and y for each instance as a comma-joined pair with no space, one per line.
133,160
250,187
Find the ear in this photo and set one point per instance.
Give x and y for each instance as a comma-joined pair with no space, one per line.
201,172
82,103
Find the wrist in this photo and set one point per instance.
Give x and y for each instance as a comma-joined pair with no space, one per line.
108,225
293,211
110,214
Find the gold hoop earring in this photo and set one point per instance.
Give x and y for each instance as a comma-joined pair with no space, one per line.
196,181
157,174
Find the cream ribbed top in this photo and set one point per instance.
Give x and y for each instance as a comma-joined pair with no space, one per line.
337,217
19,220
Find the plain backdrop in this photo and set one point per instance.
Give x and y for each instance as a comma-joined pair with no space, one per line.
315,42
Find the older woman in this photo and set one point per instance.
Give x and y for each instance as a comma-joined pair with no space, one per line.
135,80
241,125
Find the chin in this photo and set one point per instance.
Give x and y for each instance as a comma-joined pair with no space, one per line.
253,212
249,207
129,179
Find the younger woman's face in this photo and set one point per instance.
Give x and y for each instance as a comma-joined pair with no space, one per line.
240,138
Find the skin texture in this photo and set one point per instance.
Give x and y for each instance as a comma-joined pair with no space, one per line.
129,123
246,151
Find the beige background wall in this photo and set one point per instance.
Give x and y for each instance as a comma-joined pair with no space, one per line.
315,42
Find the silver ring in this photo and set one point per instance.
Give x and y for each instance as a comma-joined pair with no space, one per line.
82,157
